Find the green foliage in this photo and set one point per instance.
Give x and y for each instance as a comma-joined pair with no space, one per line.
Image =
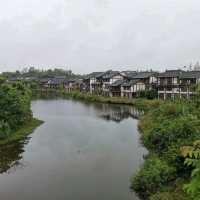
169,126
154,174
22,131
170,196
15,103
172,192
148,94
33,72
164,130
2,80
192,154
169,132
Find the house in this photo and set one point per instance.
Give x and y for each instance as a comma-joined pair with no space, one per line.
56,83
169,84
107,79
148,79
44,82
92,83
132,88
115,88
188,83
14,79
53,82
73,85
137,82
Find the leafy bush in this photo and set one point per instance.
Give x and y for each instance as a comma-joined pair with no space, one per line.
15,103
192,155
154,174
164,130
169,196
167,133
149,94
4,129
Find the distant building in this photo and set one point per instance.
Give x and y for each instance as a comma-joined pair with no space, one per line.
197,67
177,84
108,79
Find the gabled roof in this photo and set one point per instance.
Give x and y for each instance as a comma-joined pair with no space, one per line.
14,79
170,73
56,81
44,80
60,77
130,83
190,75
110,74
129,74
142,75
93,75
117,83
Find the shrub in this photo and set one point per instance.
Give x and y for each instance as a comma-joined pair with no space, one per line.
154,174
164,135
149,94
15,103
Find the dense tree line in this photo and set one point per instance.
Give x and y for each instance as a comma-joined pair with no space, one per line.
15,107
33,72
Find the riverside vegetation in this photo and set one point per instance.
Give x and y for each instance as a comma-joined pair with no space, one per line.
167,131
140,103
16,119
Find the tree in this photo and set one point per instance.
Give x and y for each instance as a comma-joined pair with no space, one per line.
2,80
15,107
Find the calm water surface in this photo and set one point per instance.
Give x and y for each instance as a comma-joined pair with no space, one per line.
81,152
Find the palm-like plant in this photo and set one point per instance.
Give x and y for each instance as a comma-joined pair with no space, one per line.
192,155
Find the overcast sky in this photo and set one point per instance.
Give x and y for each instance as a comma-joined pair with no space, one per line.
96,35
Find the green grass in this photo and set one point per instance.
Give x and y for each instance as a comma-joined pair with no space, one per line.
22,132
138,102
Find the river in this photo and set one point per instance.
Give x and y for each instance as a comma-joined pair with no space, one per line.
83,151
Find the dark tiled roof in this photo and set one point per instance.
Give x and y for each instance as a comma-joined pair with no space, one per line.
190,74
180,74
60,77
56,81
141,75
117,83
44,80
93,75
130,83
170,73
14,79
129,74
110,74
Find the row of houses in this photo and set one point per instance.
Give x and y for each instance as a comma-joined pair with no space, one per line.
168,84
124,84
61,82
130,84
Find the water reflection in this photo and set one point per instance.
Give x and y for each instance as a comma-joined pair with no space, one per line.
119,113
115,112
75,154
11,156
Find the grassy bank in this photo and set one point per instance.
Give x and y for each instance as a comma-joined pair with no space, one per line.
140,103
164,130
22,132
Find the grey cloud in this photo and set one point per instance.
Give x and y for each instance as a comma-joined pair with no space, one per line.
95,35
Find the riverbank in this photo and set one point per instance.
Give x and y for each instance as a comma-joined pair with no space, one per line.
144,104
22,132
164,130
